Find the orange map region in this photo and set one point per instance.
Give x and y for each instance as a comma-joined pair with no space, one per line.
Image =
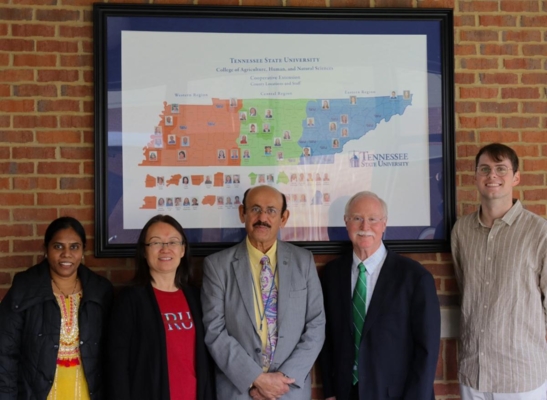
209,200
174,180
150,181
198,135
218,179
149,203
196,179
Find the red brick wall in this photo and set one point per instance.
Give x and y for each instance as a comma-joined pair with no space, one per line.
46,120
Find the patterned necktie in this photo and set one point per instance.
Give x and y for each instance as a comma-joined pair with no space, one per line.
269,299
359,312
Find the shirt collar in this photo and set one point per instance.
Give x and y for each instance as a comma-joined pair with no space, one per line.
255,255
509,217
374,261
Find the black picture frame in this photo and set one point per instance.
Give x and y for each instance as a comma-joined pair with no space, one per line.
112,239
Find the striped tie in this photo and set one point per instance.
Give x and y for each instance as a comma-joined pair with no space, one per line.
269,299
359,312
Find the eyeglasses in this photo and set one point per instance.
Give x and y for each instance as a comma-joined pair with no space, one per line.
159,245
270,211
500,170
357,220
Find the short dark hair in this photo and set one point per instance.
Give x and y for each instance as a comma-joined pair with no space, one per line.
499,152
64,223
283,207
142,272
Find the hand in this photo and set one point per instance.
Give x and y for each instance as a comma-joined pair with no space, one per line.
272,385
255,395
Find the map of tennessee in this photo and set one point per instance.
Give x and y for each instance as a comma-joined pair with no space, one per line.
264,132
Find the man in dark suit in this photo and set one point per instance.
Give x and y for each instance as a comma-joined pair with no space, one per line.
389,303
263,352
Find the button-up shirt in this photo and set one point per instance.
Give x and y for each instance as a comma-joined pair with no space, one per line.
502,273
373,265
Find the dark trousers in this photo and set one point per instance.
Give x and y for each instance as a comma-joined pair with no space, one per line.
354,394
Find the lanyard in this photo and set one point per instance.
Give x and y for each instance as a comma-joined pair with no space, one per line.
263,314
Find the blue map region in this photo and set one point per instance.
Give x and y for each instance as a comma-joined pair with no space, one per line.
331,123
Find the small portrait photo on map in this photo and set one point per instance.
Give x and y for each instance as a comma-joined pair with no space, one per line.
352,100
181,155
208,180
171,139
236,179
326,197
277,142
279,155
236,200
310,177
233,102
252,128
186,202
332,127
157,130
393,95
243,116
266,128
287,135
161,202
252,112
228,201
293,178
174,108
268,150
168,120
246,154
228,179
335,143
268,113
185,141
160,181
234,154
294,197
221,154
318,177
326,177
406,94
153,156
243,139
311,122
345,132
220,200
195,201
344,118
261,178
325,105
306,151
303,198
301,177
169,202
158,142
270,178
178,201
185,181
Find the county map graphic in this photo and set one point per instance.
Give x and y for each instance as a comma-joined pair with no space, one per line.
261,132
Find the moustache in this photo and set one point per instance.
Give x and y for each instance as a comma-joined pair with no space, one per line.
261,223
366,233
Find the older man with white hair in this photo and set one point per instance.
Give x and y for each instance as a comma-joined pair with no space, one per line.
383,316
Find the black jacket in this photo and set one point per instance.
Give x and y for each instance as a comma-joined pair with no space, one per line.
137,348
30,324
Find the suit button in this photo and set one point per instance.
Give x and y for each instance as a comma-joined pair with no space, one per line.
55,346
257,350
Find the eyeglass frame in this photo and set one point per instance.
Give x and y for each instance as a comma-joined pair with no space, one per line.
358,220
495,169
258,211
173,244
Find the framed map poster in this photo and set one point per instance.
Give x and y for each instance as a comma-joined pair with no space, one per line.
194,105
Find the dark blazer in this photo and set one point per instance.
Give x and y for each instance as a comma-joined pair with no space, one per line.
30,329
401,333
137,348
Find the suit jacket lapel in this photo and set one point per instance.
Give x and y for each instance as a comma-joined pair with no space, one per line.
381,290
346,298
284,278
240,266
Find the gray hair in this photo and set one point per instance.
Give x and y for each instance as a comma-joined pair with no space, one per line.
362,194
